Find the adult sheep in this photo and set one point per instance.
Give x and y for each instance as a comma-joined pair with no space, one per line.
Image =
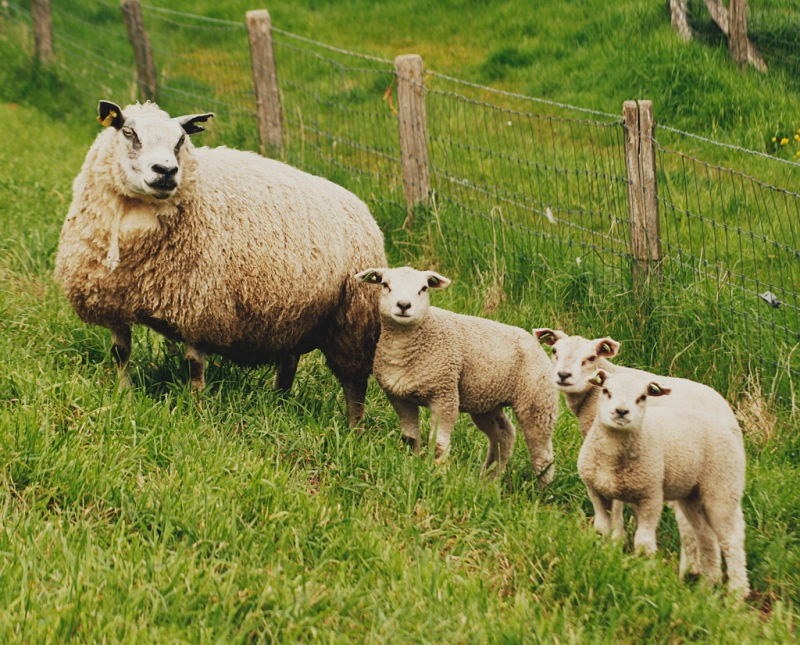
224,250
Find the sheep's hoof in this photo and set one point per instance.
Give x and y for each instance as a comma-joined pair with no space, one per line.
124,384
440,454
411,442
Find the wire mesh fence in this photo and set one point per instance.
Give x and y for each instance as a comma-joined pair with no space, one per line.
526,186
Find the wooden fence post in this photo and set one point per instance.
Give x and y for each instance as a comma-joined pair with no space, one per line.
413,130
737,24
680,23
265,79
640,164
145,66
42,30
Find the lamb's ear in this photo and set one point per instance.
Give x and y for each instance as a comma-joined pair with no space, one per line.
654,389
547,336
598,378
370,276
436,281
109,113
191,122
607,347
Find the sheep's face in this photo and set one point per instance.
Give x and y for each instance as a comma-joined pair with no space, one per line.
405,294
148,146
575,358
623,399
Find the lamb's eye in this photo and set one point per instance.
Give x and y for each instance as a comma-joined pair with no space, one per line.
554,353
423,289
127,133
385,286
591,359
606,392
180,143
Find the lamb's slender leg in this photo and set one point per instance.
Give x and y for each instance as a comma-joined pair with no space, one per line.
444,415
501,433
121,350
727,521
197,365
537,425
355,393
285,372
706,560
602,511
648,514
617,520
409,421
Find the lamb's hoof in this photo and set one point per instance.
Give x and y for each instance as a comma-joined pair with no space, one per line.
124,385
545,476
645,549
440,454
411,442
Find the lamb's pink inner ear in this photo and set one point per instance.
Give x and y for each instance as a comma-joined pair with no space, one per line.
607,347
436,281
598,379
545,336
654,389
370,276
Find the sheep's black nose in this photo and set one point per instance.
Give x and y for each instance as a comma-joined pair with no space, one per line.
621,412
403,305
163,170
564,375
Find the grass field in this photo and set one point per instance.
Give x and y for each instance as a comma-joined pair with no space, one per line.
234,515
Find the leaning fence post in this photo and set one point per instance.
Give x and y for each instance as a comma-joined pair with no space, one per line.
145,66
42,29
737,38
265,79
640,164
413,130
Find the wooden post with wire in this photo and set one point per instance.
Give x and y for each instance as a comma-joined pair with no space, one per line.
640,165
737,24
42,30
143,52
412,122
265,79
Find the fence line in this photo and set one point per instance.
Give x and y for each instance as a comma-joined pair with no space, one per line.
521,185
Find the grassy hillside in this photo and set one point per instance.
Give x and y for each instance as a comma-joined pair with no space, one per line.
235,515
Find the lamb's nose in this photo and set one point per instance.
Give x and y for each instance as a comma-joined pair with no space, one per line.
164,170
564,376
621,412
403,305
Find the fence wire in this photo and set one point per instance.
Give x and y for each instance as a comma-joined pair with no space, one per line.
523,186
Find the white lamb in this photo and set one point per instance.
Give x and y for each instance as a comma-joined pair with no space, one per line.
575,359
455,363
644,455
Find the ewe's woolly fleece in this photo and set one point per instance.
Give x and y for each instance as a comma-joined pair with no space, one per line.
251,258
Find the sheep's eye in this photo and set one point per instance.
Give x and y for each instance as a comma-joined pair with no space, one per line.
423,289
180,143
127,133
592,359
385,286
606,392
554,352
641,398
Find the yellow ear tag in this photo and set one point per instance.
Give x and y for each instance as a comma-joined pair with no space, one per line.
108,120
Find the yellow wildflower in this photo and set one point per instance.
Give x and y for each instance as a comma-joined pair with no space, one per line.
774,139
784,141
797,137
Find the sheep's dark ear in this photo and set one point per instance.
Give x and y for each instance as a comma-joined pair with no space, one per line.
436,281
370,276
654,389
548,336
191,122
109,114
598,378
607,347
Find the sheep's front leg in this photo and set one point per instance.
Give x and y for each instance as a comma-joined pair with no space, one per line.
197,365
602,511
121,350
617,520
648,514
409,421
444,414
285,373
501,433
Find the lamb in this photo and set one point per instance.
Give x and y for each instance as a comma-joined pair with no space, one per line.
224,250
575,359
455,363
643,455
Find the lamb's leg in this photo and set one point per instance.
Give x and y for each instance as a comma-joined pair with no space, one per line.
355,393
648,514
617,520
705,561
444,415
197,366
285,372
409,421
602,511
727,521
121,350
501,433
537,424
